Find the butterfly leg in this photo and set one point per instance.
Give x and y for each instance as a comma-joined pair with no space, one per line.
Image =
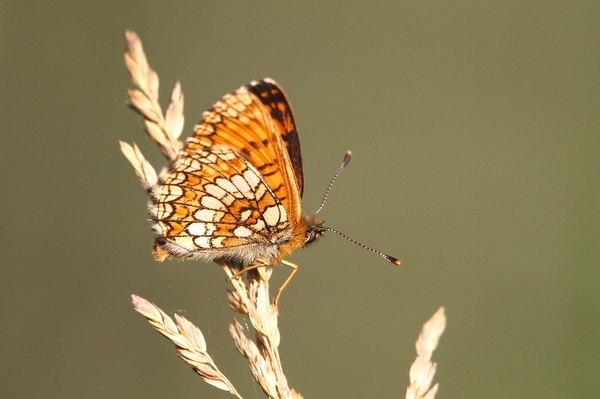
286,282
246,269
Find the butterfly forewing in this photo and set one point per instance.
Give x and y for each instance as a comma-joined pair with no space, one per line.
280,109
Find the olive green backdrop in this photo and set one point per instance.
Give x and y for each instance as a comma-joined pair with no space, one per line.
475,130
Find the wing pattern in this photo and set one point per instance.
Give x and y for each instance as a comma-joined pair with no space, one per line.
235,190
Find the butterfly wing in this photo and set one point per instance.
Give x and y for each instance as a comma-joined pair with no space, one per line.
234,191
214,204
280,109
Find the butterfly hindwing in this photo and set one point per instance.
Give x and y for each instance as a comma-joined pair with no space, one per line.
214,203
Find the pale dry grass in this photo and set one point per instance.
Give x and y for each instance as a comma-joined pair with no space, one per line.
250,296
189,341
164,130
422,370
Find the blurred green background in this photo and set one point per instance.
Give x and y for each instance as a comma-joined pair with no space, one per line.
475,128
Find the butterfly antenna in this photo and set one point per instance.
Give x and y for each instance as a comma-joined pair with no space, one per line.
345,162
387,257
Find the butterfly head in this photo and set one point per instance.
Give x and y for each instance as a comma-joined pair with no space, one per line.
314,230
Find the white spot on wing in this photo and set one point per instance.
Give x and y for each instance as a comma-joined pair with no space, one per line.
226,155
244,96
217,242
283,214
272,215
177,178
164,209
245,215
198,229
262,189
186,242
171,193
251,178
242,231
209,157
242,185
208,215
258,226
205,141
228,199
202,241
215,191
231,110
194,164
211,202
226,185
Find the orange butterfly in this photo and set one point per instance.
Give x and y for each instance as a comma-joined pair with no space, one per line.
234,193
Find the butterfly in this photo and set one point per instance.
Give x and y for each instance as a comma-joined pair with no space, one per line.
234,192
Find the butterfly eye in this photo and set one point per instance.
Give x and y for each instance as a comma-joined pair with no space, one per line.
311,235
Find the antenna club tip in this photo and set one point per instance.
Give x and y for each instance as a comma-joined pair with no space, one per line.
391,259
347,158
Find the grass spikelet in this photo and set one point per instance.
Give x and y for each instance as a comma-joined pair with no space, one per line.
164,130
189,341
423,370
